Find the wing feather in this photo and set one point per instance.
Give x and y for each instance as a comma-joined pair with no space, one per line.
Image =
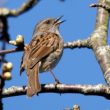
41,51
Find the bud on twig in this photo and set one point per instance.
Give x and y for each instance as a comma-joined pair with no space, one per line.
12,42
76,107
6,70
7,75
7,67
19,41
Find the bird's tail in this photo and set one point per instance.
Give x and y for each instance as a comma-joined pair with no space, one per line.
33,81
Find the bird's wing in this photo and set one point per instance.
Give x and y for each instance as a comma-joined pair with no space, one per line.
24,59
47,44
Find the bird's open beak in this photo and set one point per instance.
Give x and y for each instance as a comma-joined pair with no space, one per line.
57,21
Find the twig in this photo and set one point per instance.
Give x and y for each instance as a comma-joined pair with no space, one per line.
98,90
15,12
25,7
76,107
10,51
105,6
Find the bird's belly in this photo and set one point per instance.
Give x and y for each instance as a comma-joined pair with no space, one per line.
50,62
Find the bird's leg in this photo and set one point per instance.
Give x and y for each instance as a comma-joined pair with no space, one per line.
55,78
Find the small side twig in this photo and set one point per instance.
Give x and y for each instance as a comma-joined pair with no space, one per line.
75,107
105,5
10,51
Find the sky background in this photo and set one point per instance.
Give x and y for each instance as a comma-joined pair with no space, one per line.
77,66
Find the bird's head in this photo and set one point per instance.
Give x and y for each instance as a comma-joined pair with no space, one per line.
48,24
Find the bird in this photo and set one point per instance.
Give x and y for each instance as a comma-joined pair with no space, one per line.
42,53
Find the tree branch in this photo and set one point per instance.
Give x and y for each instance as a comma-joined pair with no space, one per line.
78,44
99,39
104,5
98,90
10,51
15,12
25,7
75,44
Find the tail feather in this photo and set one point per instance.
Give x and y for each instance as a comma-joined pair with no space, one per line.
33,81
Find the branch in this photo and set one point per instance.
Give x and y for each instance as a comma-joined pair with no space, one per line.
98,90
10,51
25,7
71,45
78,44
15,12
99,39
104,5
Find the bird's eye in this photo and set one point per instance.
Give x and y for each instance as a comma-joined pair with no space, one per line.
48,22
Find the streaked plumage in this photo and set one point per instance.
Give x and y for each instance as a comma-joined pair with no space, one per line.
43,52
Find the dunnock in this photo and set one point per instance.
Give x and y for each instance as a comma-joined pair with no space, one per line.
43,52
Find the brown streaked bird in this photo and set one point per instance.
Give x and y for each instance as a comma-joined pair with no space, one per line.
43,53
